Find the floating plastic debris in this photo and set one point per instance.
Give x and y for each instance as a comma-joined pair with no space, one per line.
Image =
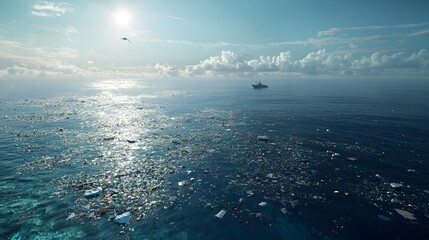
72,215
182,183
124,218
396,185
263,204
220,214
270,175
93,192
384,218
405,214
283,210
263,138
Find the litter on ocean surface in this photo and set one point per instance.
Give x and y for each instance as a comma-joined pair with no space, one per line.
263,138
396,185
190,163
93,192
405,214
123,218
220,214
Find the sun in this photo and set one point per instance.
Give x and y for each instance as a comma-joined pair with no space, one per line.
122,18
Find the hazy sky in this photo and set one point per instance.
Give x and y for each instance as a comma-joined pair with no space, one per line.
284,39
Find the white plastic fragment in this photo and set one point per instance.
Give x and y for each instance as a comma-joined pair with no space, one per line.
124,218
220,214
72,215
263,204
263,138
405,214
93,192
283,210
270,175
396,185
182,183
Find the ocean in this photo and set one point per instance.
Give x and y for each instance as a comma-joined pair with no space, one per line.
302,159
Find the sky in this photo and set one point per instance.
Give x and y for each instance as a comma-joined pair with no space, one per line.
222,39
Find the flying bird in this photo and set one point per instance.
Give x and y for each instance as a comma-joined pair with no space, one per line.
126,39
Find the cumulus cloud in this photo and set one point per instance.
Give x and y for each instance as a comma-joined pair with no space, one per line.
417,60
227,62
320,63
56,69
166,70
22,70
51,9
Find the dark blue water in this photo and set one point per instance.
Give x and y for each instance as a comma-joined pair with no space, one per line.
334,148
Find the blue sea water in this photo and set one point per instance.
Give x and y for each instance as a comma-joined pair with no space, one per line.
175,153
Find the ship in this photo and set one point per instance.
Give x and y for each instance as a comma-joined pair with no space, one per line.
259,85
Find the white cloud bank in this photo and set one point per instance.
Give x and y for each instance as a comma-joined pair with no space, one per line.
228,64
319,63
51,9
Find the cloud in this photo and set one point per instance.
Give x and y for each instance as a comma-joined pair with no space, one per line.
417,60
324,38
18,52
424,32
328,32
334,30
166,70
228,64
175,17
22,70
51,9
318,63
201,44
70,30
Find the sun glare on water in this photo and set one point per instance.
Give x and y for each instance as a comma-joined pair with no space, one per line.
122,18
